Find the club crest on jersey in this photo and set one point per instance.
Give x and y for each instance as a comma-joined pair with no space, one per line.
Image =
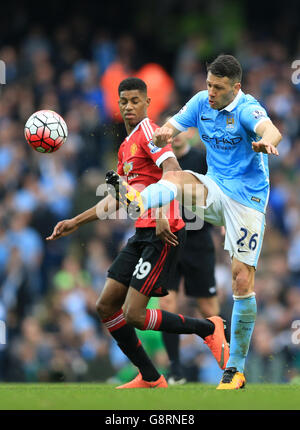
153,148
127,167
133,149
258,113
230,122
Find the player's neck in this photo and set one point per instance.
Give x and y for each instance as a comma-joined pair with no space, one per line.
131,127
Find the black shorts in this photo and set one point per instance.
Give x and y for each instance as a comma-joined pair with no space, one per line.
146,263
196,266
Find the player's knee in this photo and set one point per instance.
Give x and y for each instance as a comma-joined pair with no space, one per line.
242,284
135,317
103,309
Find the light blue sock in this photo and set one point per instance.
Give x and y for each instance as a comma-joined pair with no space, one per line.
159,194
242,325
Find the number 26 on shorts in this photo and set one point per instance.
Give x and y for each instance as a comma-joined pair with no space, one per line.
252,244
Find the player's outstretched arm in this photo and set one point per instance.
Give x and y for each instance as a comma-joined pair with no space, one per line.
101,211
164,135
270,138
63,228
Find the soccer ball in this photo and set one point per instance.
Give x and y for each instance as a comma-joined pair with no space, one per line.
45,131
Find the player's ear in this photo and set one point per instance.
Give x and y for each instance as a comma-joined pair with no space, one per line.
237,86
148,101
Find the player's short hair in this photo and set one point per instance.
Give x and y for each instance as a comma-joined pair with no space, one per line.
226,65
129,84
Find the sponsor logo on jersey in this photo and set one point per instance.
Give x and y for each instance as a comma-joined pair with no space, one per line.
221,140
153,148
127,167
133,149
258,113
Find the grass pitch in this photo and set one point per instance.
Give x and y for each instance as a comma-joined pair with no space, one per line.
187,397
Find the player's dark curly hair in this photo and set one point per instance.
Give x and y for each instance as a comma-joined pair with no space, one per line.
226,65
132,84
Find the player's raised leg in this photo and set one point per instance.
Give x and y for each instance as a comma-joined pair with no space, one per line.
182,185
242,325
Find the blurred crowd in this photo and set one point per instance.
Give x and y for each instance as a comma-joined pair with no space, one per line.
48,290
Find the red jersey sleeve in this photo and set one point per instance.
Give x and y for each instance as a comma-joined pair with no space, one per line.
158,155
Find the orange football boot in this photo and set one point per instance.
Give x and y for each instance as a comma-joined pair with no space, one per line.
217,342
138,382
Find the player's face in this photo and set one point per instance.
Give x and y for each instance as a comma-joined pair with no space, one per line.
221,91
133,106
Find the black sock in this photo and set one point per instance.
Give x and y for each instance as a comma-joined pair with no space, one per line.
131,346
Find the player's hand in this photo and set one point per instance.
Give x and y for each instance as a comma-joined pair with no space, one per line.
164,233
162,136
266,148
63,228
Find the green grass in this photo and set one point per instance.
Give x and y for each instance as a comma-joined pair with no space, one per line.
105,397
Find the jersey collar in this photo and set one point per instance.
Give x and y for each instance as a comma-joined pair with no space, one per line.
135,128
234,102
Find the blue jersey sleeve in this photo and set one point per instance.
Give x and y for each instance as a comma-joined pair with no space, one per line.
252,115
187,116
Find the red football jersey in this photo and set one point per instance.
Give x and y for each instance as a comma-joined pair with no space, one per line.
139,161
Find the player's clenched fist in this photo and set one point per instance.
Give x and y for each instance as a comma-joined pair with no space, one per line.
63,228
162,136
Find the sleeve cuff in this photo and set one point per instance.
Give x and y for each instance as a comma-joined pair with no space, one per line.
259,122
163,157
176,125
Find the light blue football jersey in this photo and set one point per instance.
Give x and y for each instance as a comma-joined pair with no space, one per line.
241,173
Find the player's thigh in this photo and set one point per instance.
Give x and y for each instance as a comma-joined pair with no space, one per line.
244,232
207,205
155,267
